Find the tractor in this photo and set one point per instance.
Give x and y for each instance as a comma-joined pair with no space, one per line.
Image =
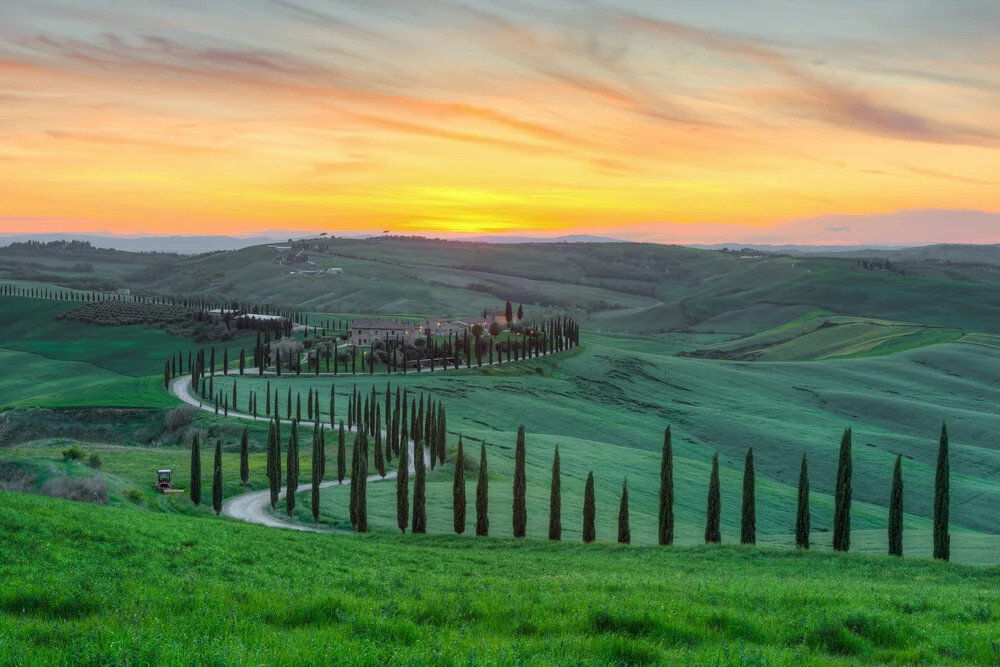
163,483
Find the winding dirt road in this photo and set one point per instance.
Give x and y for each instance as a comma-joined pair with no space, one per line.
252,507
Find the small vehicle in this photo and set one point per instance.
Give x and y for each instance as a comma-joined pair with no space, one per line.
163,483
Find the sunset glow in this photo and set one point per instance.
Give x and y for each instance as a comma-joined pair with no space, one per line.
687,121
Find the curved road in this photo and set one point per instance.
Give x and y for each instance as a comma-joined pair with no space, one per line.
252,507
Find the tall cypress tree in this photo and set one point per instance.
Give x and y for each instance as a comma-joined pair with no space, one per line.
317,472
217,479
355,475
589,510
802,518
274,462
666,523
442,432
341,455
942,541
403,489
196,470
482,496
362,484
713,534
458,489
748,524
520,512
244,458
309,406
842,497
896,510
419,488
379,457
288,404
292,482
624,530
555,500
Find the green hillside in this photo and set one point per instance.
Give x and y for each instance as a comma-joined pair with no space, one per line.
217,592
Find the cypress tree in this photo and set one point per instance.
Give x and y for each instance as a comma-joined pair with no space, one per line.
555,500
842,497
309,407
317,474
298,407
713,533
442,432
350,412
355,463
520,512
458,489
379,458
288,404
403,489
942,541
624,531
196,470
589,510
322,450
666,524
217,479
802,516
225,361
273,463
333,405
341,455
419,488
896,510
748,524
244,458
362,484
292,483
482,497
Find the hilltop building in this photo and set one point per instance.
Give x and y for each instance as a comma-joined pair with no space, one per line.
367,331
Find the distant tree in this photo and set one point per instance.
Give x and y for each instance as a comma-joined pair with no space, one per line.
379,458
713,533
341,455
274,462
292,469
225,361
520,312
244,458
896,510
288,404
748,524
317,472
942,540
211,363
309,409
509,313
403,489
441,424
802,516
842,497
298,407
217,479
520,513
555,500
362,484
196,470
458,489
624,531
355,474
482,497
243,360
589,510
419,488
666,523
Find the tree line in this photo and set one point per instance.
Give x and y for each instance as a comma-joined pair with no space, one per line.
425,425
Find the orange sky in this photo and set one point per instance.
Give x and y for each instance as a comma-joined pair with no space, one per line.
444,117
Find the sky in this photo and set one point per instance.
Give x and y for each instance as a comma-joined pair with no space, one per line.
780,121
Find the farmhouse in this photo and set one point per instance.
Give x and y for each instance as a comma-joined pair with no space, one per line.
367,331
499,315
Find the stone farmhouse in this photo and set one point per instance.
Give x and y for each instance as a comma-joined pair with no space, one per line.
367,331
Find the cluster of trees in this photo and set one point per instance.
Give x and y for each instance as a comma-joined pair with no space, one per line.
879,265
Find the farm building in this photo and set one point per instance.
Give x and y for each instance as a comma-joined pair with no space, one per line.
367,331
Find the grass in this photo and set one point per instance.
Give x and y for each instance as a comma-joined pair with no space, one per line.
220,592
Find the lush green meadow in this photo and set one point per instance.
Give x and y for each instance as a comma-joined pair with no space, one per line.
137,588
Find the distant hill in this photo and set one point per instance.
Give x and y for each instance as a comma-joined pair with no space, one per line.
184,245
570,238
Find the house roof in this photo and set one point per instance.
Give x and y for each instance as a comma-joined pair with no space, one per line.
378,324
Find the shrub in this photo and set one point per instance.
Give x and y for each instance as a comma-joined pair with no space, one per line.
74,453
180,417
14,478
135,496
94,461
90,490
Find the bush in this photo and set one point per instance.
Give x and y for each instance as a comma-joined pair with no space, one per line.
180,417
73,453
90,490
94,461
135,496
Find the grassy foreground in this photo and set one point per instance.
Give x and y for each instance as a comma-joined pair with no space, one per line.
116,586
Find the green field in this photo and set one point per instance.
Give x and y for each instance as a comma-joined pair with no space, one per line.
216,592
